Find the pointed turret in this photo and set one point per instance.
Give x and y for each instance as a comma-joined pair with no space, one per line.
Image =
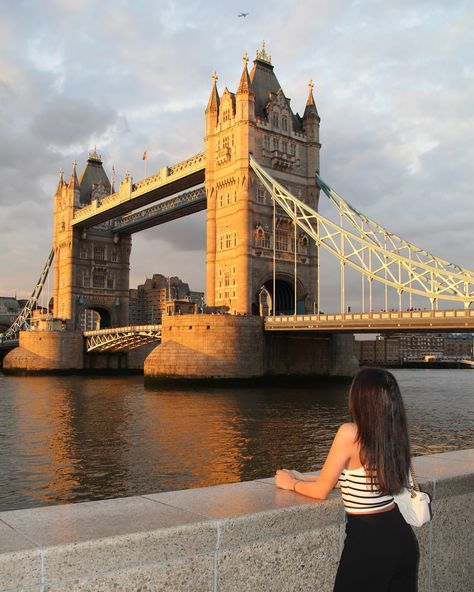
214,101
310,110
310,123
245,96
73,181
60,181
212,109
73,187
245,85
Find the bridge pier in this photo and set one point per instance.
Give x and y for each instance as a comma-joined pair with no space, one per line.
229,347
46,351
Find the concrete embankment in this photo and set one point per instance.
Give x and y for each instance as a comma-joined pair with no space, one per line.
242,537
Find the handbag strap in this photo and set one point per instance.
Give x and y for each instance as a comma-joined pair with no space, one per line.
413,479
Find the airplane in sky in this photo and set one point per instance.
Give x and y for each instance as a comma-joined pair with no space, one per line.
244,14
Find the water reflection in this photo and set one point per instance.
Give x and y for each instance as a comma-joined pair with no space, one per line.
69,439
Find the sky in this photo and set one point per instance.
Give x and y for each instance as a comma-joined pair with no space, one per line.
394,87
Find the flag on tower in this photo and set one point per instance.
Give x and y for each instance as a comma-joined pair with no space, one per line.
145,155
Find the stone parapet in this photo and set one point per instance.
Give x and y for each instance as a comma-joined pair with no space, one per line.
241,537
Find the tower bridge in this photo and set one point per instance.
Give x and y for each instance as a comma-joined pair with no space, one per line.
258,178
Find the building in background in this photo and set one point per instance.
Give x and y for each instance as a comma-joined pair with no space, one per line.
9,310
397,349
161,295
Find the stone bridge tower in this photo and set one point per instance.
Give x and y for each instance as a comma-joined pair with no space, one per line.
91,266
241,234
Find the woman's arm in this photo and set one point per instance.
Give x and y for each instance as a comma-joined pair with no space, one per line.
341,450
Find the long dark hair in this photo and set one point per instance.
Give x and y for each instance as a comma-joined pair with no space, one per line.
376,407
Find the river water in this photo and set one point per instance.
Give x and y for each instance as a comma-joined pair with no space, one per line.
73,438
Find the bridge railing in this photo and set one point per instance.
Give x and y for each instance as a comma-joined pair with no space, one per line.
430,320
127,329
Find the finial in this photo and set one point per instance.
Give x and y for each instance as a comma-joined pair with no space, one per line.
61,174
74,164
311,85
246,59
215,77
93,155
263,56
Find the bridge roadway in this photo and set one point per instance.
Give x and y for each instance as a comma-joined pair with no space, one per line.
132,196
121,338
459,321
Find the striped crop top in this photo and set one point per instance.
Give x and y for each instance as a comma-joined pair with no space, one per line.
357,495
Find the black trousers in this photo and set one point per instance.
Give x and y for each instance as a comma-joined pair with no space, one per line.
380,554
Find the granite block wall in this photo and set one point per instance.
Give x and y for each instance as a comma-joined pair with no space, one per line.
229,538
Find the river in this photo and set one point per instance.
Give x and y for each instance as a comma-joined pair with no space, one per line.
74,438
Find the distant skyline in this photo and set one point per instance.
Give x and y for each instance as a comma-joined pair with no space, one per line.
394,87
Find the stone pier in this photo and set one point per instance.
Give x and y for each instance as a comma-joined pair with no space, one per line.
245,537
46,351
236,346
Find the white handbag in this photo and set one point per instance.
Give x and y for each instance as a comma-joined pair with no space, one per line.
414,505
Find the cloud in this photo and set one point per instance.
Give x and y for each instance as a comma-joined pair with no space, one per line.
63,121
393,88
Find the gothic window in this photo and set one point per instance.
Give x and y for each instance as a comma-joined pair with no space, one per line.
99,253
83,253
114,256
284,123
86,280
226,115
98,280
262,239
111,283
275,143
261,195
293,149
225,142
275,120
266,142
281,242
228,240
284,146
235,239
221,242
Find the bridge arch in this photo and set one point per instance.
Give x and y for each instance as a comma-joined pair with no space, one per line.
94,317
284,299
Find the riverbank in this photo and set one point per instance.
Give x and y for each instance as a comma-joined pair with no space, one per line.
241,537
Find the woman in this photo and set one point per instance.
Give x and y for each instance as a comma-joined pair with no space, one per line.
371,458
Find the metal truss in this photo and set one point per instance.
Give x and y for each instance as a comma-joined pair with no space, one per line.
121,338
149,216
376,253
22,320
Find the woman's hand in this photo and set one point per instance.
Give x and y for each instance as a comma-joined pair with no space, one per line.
284,479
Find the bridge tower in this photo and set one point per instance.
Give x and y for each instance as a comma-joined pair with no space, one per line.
91,267
245,240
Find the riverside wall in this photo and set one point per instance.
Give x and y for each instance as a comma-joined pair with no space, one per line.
228,538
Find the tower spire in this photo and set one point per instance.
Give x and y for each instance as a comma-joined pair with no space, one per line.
213,103
60,179
245,85
310,109
73,181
